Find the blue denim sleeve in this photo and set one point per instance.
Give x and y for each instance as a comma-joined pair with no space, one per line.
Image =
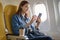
16,25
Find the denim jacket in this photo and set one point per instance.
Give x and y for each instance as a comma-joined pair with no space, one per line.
20,21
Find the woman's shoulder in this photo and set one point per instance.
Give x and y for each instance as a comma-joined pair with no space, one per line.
15,15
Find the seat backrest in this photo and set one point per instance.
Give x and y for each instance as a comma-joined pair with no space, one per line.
9,10
2,30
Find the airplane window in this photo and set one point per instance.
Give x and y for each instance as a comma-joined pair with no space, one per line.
40,8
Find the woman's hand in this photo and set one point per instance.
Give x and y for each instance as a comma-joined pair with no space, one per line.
33,19
38,22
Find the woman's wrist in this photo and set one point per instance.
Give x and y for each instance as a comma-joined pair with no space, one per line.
28,24
36,27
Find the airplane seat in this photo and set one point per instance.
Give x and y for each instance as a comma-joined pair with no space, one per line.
2,30
9,10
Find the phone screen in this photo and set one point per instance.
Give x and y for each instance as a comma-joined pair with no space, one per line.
40,14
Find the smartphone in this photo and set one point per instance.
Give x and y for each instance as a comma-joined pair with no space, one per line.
40,14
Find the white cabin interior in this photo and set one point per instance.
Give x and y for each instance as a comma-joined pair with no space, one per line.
50,9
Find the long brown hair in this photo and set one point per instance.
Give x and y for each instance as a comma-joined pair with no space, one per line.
20,5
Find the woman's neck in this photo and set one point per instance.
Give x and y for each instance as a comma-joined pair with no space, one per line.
22,13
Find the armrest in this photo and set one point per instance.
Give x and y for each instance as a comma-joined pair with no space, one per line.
14,37
20,36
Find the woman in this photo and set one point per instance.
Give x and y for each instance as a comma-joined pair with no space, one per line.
21,19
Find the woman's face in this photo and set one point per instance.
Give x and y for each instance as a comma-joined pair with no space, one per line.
25,8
